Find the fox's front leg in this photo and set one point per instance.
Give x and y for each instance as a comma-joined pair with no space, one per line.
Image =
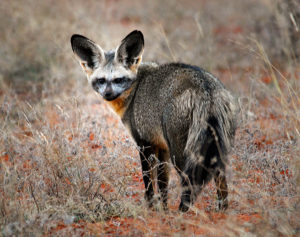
163,176
147,155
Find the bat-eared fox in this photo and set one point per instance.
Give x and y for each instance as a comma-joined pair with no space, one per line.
175,112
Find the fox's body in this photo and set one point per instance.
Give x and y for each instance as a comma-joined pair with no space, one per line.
177,112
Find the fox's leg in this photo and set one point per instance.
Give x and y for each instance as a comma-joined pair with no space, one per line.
187,193
194,178
175,130
147,154
163,176
222,189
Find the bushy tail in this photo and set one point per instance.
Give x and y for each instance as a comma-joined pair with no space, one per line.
210,136
197,134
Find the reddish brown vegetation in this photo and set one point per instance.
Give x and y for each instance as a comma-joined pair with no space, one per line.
68,166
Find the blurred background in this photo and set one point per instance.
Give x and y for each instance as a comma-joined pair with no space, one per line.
35,35
68,166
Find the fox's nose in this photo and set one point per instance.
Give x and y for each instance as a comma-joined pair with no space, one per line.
108,94
108,91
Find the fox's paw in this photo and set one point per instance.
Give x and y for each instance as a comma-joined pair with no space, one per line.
222,205
184,207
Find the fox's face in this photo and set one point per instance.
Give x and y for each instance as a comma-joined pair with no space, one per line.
110,73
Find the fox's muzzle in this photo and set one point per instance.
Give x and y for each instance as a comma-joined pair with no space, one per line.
109,94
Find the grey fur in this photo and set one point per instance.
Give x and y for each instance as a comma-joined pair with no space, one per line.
181,113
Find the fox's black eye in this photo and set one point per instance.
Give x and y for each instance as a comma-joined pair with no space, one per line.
119,80
101,80
98,82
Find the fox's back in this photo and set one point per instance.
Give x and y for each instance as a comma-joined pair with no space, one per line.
166,90
169,81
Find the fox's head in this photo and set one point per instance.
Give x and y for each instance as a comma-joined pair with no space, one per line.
113,72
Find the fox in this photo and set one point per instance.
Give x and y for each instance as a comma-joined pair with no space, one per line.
176,113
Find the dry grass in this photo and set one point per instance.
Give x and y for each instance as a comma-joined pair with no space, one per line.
67,165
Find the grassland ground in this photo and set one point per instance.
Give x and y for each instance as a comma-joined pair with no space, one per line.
67,164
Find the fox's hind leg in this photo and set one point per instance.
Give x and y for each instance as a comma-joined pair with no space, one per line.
193,179
163,176
187,193
222,189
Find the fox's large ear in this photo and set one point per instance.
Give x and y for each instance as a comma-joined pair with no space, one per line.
90,55
130,51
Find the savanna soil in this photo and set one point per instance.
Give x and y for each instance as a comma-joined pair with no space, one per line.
69,167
